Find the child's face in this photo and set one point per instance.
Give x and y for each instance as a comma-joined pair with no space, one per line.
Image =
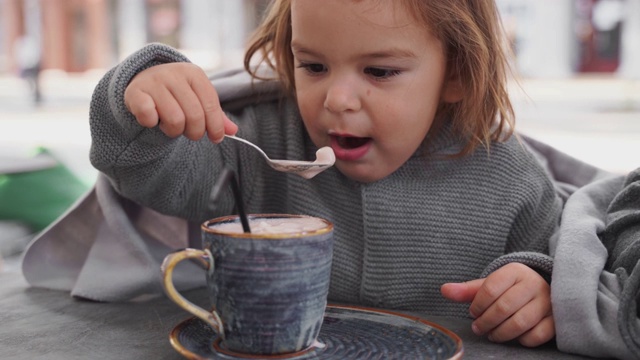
368,79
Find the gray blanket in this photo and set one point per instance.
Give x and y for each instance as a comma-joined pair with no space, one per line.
596,276
595,287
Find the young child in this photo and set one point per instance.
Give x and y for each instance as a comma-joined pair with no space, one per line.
435,205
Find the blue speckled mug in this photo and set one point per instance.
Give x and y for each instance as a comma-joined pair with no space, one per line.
268,288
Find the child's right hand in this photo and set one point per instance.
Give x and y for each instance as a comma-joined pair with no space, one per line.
180,99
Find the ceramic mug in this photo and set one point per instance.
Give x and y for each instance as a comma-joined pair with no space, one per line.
268,288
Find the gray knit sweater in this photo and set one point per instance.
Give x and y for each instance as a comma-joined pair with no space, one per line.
397,240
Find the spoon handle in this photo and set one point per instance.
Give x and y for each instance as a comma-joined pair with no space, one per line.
248,143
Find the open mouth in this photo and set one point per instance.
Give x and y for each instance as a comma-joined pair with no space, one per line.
350,148
351,142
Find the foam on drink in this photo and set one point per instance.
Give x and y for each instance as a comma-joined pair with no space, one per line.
292,225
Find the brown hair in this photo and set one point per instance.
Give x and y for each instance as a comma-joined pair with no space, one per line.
472,35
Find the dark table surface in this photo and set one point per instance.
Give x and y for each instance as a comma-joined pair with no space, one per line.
46,324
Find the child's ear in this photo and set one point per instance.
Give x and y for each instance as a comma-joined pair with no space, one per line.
452,91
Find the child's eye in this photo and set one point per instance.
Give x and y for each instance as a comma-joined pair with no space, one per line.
381,74
313,68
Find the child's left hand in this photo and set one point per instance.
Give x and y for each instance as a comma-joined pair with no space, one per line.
513,302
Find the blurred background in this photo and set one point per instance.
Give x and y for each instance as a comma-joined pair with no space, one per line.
578,63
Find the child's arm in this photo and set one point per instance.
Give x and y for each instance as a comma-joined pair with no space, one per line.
511,299
173,175
513,302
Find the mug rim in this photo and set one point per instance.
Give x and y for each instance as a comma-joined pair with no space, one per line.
299,234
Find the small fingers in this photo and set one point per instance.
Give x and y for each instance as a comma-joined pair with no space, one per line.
503,309
230,127
521,322
463,292
142,106
180,99
540,334
493,288
214,118
172,118
193,114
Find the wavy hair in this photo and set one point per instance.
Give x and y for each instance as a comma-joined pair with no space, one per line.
473,40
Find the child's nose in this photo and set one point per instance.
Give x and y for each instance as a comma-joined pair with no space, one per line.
342,96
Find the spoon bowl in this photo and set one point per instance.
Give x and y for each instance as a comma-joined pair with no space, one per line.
325,158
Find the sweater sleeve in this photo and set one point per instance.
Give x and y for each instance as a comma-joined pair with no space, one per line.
538,210
172,176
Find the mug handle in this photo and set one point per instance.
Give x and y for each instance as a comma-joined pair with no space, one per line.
206,259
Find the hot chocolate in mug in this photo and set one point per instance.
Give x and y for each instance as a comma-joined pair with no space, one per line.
268,288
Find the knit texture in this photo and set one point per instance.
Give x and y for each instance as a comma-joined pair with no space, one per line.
621,237
397,240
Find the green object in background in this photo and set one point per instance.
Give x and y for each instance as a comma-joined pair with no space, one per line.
38,195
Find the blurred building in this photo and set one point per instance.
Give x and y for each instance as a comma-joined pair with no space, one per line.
79,35
73,35
558,38
551,38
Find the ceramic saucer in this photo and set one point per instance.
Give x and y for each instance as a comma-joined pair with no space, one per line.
348,332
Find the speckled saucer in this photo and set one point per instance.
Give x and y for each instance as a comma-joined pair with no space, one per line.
348,332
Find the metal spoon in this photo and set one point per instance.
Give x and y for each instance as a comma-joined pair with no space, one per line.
325,158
